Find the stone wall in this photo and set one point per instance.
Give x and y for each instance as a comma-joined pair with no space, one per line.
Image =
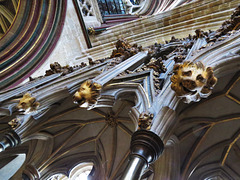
203,14
71,43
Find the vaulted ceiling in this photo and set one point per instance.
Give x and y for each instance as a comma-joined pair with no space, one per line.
209,133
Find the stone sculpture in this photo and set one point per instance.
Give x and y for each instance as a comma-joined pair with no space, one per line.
57,68
192,81
14,123
28,104
145,120
88,92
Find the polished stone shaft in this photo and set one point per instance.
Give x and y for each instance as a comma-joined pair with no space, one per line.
146,147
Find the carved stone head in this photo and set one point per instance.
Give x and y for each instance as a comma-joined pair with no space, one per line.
55,67
192,81
145,120
88,92
27,104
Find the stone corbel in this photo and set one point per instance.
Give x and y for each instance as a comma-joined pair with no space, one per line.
192,81
89,91
145,121
28,104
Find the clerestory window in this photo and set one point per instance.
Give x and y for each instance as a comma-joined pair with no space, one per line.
108,7
79,172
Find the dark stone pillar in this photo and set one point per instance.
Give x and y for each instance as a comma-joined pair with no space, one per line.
10,139
30,173
146,147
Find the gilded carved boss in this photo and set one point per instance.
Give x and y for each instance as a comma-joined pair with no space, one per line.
145,120
88,92
28,104
192,81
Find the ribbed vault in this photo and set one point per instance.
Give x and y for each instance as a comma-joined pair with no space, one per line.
209,133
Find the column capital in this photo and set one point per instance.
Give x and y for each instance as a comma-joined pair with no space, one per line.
147,145
30,173
10,139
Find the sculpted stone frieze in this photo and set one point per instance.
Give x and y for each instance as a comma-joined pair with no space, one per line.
125,50
192,81
28,104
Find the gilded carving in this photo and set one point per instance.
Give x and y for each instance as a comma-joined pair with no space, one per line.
192,81
91,31
145,120
27,104
14,123
88,92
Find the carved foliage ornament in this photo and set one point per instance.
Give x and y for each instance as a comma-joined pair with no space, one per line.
14,123
28,104
57,68
192,81
88,93
145,120
111,120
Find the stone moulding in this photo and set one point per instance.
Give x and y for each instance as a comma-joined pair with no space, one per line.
192,81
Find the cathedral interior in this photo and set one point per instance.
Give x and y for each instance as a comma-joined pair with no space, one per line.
120,89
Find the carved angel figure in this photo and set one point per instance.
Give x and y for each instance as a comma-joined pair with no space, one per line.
27,104
87,93
145,120
192,81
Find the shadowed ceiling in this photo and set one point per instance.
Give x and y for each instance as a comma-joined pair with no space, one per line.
209,133
76,135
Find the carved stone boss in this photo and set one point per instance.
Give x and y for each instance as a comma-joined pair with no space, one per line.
192,81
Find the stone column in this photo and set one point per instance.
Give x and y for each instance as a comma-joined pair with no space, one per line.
30,173
167,167
145,147
10,139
